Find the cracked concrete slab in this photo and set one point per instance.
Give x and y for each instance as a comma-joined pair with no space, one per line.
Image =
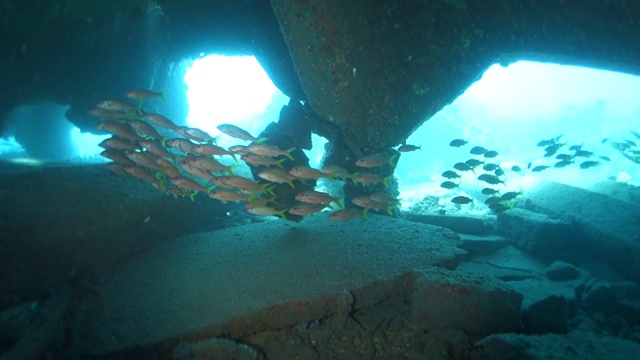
243,279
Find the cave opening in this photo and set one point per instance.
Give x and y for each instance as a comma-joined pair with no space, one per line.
510,110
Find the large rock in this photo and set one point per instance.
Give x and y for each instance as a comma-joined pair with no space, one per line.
480,305
385,328
575,345
482,245
611,227
608,304
379,70
246,279
104,49
470,224
375,71
550,315
60,223
542,236
548,305
561,271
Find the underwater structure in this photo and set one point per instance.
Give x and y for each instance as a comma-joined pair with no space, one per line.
95,263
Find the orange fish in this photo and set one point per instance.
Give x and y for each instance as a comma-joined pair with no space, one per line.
160,120
239,149
317,197
384,198
261,201
176,191
409,148
118,105
183,145
118,143
143,94
210,164
166,167
266,211
369,178
141,173
156,149
336,172
306,172
194,170
241,183
106,114
210,149
367,203
348,214
269,150
119,129
278,176
194,134
376,160
143,159
237,132
226,195
258,160
117,156
143,128
186,183
304,209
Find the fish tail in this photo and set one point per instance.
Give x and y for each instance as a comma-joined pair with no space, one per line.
193,196
393,160
385,181
281,213
340,202
355,174
164,95
273,199
279,163
139,109
389,209
162,186
232,167
290,182
210,189
268,189
288,153
214,141
365,214
261,140
163,142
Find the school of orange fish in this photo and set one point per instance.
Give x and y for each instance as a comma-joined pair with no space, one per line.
184,161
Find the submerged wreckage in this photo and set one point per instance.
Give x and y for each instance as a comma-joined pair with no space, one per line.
85,248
